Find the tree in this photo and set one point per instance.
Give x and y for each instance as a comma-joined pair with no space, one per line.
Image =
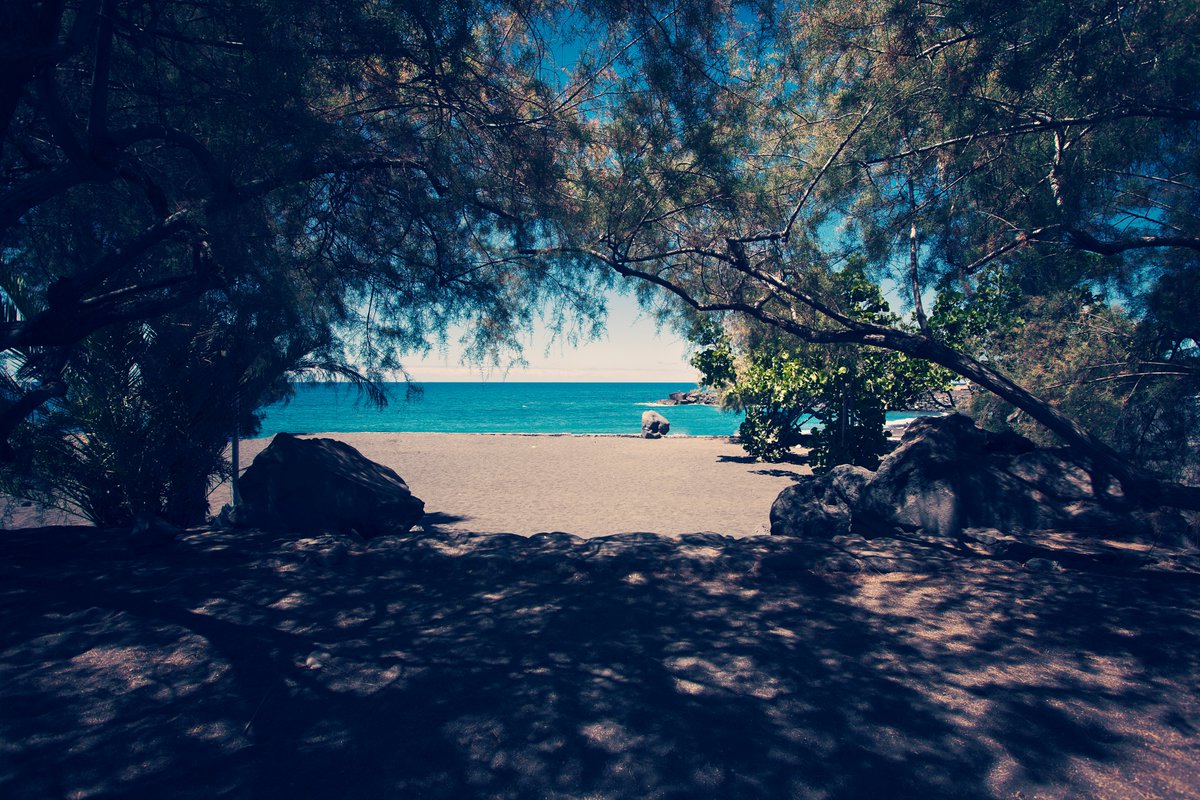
385,152
197,200
750,156
1102,368
143,424
781,384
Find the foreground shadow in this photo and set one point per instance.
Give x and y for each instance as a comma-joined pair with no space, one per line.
780,473
451,665
435,518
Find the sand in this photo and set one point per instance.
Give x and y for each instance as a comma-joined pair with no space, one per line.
585,485
440,665
526,484
448,664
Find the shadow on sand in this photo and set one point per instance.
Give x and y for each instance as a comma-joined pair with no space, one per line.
461,666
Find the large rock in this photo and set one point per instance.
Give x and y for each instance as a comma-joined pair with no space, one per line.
948,474
654,425
819,506
706,397
315,485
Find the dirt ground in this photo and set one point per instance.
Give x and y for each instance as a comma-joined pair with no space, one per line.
452,665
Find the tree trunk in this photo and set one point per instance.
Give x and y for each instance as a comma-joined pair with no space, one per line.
1140,486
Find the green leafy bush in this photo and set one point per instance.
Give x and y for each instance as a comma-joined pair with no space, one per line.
842,392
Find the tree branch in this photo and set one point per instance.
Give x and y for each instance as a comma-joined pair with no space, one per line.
97,126
13,414
1085,241
785,233
1038,126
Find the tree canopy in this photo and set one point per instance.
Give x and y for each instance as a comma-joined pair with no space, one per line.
198,199
841,392
365,160
750,153
346,179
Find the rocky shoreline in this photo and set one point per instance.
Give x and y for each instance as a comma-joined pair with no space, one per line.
694,397
950,400
948,476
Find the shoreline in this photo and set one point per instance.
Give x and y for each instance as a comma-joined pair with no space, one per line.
889,425
582,409
334,434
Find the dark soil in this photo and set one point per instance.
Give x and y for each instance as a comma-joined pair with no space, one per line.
465,666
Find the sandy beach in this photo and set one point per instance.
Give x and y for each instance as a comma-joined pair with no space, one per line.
584,485
527,484
462,661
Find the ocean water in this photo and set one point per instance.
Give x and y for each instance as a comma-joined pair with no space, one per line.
496,407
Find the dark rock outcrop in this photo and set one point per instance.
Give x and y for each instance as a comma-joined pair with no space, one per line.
949,475
819,506
706,397
654,425
315,485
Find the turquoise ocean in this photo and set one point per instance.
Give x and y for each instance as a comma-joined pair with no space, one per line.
497,407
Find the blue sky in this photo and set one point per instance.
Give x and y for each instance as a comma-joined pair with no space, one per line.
632,349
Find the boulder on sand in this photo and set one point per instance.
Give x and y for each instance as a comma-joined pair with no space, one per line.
819,506
654,425
948,475
315,485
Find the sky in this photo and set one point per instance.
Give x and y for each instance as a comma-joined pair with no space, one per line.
632,349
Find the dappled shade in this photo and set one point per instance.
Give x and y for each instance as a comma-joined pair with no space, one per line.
457,665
